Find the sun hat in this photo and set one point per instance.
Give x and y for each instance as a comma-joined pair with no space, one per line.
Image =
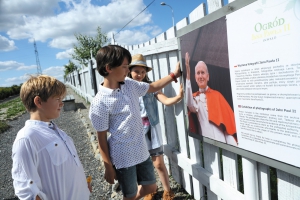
139,60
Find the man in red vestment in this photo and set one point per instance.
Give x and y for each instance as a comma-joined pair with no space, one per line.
214,114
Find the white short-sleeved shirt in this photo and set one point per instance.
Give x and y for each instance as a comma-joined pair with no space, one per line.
45,163
118,112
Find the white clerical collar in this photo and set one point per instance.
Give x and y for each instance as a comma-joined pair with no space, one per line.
203,90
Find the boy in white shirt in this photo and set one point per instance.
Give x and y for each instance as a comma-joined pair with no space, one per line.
115,109
45,162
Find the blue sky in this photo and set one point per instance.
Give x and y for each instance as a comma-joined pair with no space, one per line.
52,25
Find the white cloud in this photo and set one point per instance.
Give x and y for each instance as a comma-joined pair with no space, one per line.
63,42
136,36
56,71
23,67
12,11
65,54
17,80
81,17
6,44
13,65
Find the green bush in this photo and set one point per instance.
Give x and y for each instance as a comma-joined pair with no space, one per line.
6,92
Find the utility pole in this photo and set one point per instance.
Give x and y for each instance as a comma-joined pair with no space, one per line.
39,70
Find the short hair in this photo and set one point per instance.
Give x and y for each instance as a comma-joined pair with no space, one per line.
112,55
201,62
43,86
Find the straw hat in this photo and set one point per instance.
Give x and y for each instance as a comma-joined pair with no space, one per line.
139,60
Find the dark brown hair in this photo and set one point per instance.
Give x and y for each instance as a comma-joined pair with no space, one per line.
111,55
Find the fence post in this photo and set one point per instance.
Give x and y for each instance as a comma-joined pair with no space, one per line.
250,178
288,186
93,77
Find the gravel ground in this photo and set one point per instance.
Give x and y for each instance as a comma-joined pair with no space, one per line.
72,124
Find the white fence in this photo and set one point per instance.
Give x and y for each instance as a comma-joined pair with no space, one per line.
207,168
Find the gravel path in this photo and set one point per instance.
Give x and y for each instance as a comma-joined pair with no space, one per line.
72,124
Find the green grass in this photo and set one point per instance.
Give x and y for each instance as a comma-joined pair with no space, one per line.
14,108
3,126
10,103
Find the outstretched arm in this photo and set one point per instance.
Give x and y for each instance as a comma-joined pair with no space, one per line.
187,66
191,104
161,83
169,101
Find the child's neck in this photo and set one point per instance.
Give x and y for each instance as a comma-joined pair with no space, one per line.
110,83
39,117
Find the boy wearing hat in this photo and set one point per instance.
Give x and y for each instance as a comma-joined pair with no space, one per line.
115,109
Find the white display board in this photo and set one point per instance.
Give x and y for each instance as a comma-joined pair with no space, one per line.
264,62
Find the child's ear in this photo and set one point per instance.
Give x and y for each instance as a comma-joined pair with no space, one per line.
108,68
37,101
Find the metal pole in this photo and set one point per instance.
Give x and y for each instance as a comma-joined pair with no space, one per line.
164,4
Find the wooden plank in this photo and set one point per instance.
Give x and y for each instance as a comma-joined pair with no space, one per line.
167,116
85,80
136,46
264,181
161,37
196,156
250,178
156,76
149,63
288,186
197,13
153,41
163,67
181,127
171,33
259,158
155,48
182,23
214,5
212,182
211,164
172,134
230,168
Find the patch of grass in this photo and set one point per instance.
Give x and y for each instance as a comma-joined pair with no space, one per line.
3,126
14,110
10,103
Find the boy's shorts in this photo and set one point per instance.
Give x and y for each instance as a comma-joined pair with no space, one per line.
130,177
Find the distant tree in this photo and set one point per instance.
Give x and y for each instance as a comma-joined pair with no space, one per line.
6,92
86,44
69,68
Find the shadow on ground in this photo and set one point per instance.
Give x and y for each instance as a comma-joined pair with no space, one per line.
13,198
80,105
